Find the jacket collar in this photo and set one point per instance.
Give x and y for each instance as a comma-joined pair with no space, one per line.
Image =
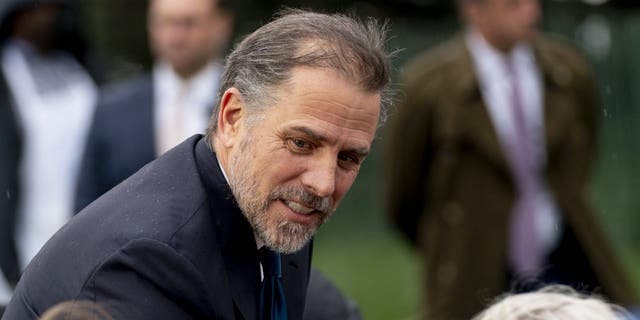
475,115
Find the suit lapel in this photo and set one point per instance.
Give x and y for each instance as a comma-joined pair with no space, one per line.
243,274
295,276
473,118
235,236
240,257
483,134
242,267
556,82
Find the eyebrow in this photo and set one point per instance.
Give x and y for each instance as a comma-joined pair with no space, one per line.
363,152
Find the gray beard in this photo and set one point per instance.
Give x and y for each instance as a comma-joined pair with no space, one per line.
277,233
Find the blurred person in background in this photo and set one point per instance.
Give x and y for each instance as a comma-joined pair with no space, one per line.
141,118
489,164
47,99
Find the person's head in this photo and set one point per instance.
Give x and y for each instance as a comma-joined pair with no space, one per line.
33,21
299,105
187,34
76,310
554,302
502,22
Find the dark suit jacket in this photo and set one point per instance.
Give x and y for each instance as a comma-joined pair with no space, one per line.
451,189
10,151
167,243
326,302
121,139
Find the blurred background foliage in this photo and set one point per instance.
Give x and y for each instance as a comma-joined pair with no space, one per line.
357,248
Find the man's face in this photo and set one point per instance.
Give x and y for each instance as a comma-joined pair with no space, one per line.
39,25
507,22
187,33
290,169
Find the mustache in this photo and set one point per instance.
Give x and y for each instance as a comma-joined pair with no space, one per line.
304,197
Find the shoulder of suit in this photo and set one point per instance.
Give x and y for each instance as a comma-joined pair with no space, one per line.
151,201
436,65
561,54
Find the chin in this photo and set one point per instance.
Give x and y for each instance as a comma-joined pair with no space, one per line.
288,237
529,35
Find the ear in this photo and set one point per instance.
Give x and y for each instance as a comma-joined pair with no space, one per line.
230,117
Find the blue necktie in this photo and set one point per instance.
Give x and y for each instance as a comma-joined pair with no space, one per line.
273,305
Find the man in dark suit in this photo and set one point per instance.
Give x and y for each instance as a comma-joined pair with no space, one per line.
143,117
489,164
181,238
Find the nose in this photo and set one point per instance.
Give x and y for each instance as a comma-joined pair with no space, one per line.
320,176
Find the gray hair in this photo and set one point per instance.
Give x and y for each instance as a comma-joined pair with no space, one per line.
555,302
77,310
265,58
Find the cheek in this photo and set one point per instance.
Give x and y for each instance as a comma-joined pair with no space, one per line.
201,38
343,185
281,167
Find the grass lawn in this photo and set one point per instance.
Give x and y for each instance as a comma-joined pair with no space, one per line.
378,271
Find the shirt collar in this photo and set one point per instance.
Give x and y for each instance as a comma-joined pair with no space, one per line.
487,58
202,86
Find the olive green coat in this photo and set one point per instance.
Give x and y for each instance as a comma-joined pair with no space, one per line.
450,185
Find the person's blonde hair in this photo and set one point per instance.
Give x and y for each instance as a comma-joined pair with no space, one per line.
76,310
555,302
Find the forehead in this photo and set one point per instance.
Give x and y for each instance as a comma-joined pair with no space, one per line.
324,101
181,7
502,4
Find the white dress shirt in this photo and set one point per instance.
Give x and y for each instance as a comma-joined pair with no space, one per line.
182,107
55,99
496,87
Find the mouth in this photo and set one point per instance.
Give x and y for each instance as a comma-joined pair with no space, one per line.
298,207
301,213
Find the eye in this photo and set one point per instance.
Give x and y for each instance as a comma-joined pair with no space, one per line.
298,145
348,159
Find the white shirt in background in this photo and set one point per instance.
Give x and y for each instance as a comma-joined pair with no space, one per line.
182,107
55,100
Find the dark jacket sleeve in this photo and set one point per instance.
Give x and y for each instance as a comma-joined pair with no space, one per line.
145,279
326,302
148,279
